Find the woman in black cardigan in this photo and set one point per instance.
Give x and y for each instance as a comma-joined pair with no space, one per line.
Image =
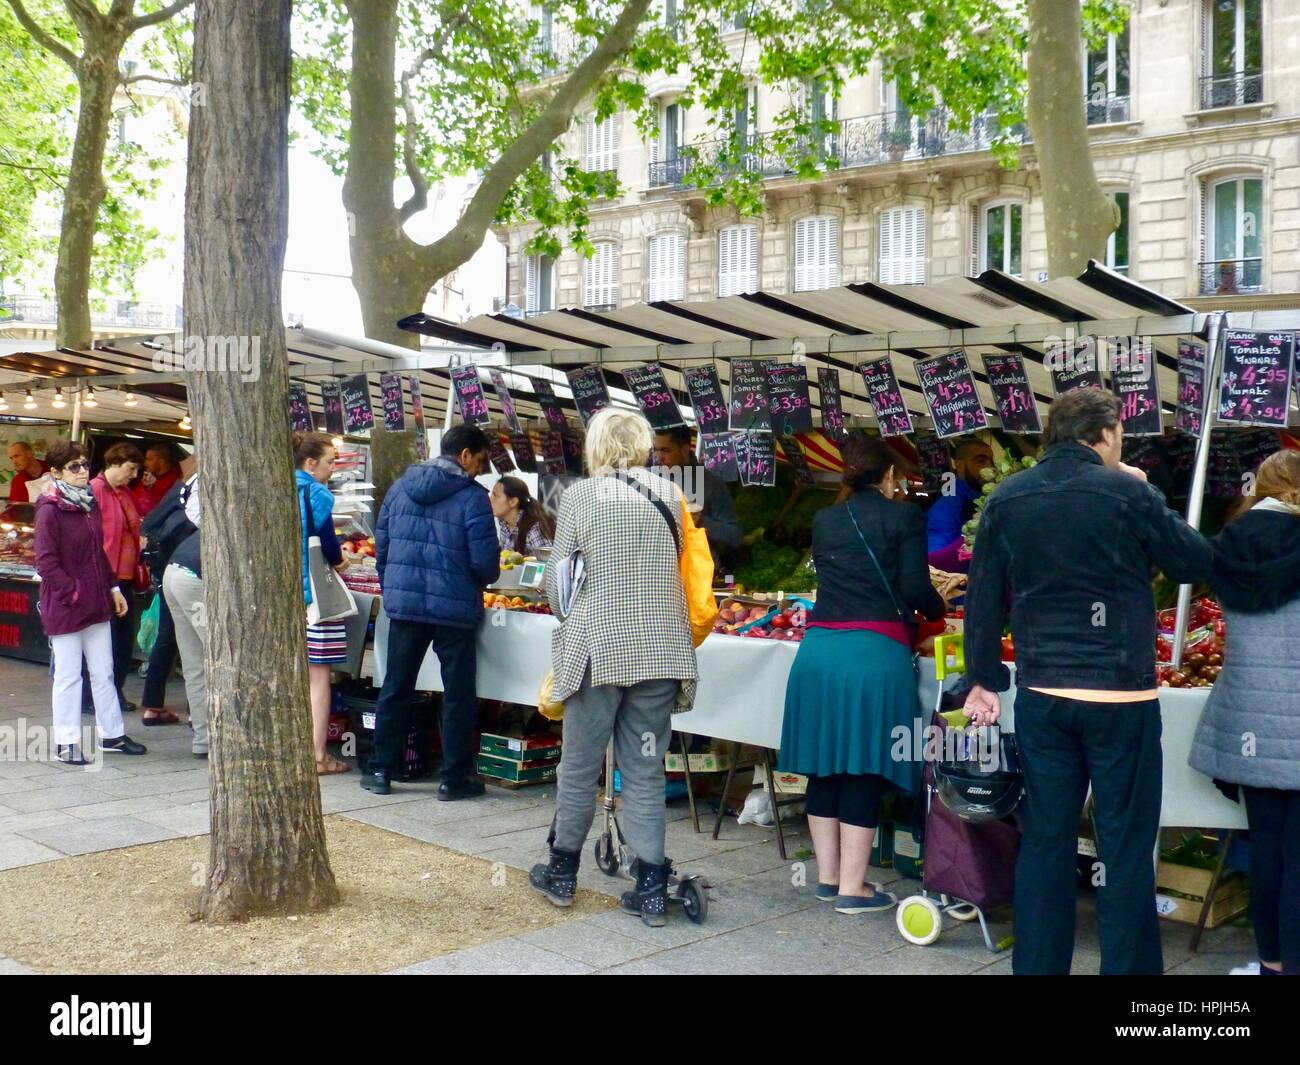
853,684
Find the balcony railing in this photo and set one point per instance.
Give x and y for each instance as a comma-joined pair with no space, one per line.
560,50
127,314
1107,108
1229,277
1232,90
850,142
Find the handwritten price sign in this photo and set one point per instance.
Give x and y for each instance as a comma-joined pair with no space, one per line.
1137,385
832,403
886,397
1256,383
788,400
390,386
522,445
358,414
417,410
718,452
299,408
506,400
1191,388
469,396
706,399
935,460
550,405
654,397
756,456
332,400
589,392
1009,383
949,389
749,410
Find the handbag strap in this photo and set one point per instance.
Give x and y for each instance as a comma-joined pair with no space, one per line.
879,569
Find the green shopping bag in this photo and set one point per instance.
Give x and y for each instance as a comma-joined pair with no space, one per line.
148,632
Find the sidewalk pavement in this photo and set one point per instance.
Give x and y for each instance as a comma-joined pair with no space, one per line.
758,920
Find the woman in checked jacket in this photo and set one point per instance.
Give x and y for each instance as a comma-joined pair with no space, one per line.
623,657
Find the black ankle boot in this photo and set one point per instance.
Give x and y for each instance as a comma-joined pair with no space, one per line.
558,880
650,897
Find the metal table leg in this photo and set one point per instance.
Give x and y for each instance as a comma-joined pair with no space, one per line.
1224,845
776,802
690,784
726,789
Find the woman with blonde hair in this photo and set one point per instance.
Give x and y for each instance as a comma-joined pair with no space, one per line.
623,657
1249,733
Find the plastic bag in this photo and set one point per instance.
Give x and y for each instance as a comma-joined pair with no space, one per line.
149,626
757,809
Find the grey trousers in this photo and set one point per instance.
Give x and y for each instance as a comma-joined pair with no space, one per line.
640,720
184,594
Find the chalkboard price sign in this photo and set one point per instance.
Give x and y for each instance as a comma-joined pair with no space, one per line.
718,452
332,401
828,384
1254,447
522,445
1017,409
501,460
1256,382
758,465
749,410
787,399
794,455
1191,388
886,397
390,384
469,396
949,389
1073,365
550,405
1135,383
1223,479
506,400
356,403
589,392
417,409
572,452
654,397
706,398
299,407
935,460
553,452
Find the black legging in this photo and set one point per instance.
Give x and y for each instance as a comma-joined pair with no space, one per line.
852,798
161,660
1274,818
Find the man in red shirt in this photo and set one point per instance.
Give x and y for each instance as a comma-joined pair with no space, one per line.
27,468
161,472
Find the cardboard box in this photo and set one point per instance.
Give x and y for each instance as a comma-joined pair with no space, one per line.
515,772
907,853
540,748
1231,900
787,784
704,762
882,847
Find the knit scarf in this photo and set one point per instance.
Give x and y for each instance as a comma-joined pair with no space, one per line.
81,497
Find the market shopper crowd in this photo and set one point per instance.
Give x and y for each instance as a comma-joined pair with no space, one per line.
1064,556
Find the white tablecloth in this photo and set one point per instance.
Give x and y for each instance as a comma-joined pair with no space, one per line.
741,697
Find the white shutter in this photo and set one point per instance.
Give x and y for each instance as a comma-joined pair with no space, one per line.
726,261
902,246
679,268
889,265
737,260
530,284
611,152
600,284
816,253
975,251
589,155
654,267
667,267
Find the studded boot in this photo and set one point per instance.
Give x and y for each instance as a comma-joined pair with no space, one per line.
559,879
650,897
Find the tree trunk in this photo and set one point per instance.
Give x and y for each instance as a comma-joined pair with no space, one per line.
268,839
97,76
1078,215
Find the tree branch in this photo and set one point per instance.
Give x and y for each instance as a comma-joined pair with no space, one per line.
41,37
54,176
419,198
162,15
459,244
152,77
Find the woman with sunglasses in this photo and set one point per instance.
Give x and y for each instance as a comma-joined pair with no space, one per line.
79,597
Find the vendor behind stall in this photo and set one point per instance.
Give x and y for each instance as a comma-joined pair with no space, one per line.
949,513
161,472
715,512
27,468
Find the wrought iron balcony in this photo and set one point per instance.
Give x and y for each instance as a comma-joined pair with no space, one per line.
1107,108
1232,90
559,50
119,313
1230,277
843,144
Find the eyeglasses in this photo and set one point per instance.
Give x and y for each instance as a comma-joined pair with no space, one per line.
76,467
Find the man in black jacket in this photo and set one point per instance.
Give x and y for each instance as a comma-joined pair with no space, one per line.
1069,545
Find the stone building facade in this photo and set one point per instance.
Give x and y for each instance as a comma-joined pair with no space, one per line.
1194,114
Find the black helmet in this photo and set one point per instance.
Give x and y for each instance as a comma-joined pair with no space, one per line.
978,776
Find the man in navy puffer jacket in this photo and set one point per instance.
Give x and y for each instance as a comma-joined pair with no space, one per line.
436,547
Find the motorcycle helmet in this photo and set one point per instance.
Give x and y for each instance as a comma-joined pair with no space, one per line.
978,775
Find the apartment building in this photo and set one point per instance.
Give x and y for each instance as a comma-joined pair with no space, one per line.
1194,111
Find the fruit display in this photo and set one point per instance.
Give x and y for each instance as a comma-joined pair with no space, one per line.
18,550
512,559
496,601
762,621
1202,649
362,575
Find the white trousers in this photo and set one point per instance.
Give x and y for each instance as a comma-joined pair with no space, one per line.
96,644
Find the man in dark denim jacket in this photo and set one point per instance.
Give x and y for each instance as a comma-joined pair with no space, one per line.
1069,547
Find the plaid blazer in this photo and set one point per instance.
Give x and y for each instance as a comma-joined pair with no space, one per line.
629,622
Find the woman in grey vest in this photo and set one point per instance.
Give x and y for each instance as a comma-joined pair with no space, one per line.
1249,734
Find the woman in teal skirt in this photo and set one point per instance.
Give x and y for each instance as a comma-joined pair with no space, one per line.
853,684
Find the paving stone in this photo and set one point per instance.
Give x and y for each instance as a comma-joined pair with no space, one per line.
505,957
594,945
40,819
120,808
157,784
773,947
909,960
9,967
17,850
186,820
640,967
59,798
87,837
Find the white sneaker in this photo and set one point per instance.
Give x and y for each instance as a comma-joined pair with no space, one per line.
1246,970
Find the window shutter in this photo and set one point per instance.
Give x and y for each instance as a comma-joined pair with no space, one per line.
917,253
831,259
975,227
612,156
737,260
1207,33
816,254
1203,229
530,284
679,268
655,270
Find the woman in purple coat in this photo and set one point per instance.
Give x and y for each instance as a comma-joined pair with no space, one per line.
79,595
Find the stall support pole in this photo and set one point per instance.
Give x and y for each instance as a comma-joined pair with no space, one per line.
76,415
1196,497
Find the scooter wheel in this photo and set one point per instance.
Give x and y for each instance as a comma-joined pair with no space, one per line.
919,920
607,855
695,901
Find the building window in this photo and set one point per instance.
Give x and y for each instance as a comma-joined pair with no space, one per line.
1117,242
816,253
539,284
733,23
666,257
600,282
1000,238
667,164
737,260
902,246
602,143
1231,236
1234,53
1106,80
